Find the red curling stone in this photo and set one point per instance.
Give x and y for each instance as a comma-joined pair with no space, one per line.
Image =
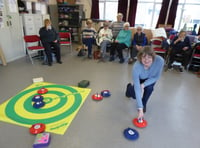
97,97
42,91
37,128
139,123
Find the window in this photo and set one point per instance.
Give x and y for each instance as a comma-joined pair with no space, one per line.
108,9
185,18
147,13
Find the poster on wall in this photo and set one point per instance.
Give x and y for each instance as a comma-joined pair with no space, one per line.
12,5
1,17
1,3
1,23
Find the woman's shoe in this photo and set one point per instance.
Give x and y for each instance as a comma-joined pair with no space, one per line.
121,61
89,56
112,58
60,62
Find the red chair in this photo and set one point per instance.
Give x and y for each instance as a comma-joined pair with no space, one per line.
194,63
65,39
33,45
156,44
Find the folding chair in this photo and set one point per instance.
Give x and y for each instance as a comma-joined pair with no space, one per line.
156,44
65,39
33,46
194,63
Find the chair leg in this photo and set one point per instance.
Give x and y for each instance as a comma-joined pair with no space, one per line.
30,57
71,49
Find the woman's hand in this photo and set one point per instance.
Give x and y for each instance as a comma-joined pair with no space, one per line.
140,113
179,39
185,48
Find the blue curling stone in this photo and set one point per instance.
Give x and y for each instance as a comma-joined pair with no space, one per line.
131,134
38,104
37,98
105,93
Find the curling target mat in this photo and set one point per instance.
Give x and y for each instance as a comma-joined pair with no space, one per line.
62,103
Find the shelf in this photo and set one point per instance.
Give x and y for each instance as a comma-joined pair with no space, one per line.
69,19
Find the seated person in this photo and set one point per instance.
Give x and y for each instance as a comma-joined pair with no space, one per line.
105,37
50,38
116,26
88,37
180,45
122,41
139,41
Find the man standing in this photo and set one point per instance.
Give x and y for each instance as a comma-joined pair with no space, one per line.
116,26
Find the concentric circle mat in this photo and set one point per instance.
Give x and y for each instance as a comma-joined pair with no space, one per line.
61,105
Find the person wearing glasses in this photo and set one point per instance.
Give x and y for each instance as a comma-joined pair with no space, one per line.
122,41
180,45
139,41
145,73
105,38
50,38
116,26
88,36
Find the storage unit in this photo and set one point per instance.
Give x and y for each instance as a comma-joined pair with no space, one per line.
11,41
69,19
32,23
28,24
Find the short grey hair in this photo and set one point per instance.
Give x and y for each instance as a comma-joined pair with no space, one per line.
120,14
139,27
126,24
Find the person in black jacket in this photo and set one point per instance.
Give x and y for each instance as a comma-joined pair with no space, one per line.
50,39
139,41
180,45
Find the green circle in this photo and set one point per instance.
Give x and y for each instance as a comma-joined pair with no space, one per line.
10,111
28,104
48,100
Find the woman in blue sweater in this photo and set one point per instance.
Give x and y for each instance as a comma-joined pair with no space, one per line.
122,41
146,71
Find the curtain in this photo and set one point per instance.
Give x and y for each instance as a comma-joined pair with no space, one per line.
132,12
95,9
163,12
172,12
122,8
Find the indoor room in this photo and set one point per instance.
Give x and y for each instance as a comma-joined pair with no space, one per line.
99,73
